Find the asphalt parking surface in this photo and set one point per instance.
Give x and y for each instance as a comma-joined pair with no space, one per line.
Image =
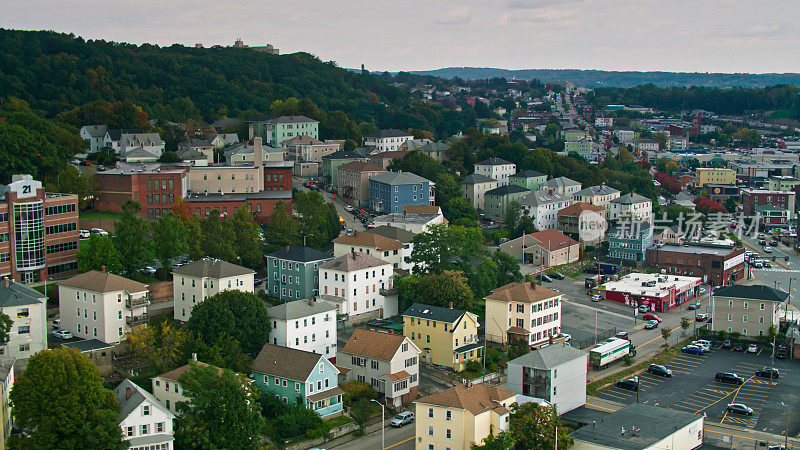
692,388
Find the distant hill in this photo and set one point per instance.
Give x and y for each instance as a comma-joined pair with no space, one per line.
603,78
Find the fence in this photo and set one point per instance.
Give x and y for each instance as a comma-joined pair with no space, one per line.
602,335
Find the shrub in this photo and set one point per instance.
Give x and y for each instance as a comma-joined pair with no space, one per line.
356,390
474,366
298,421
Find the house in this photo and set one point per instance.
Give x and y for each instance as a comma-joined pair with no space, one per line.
543,208
27,309
329,169
573,134
604,122
106,306
398,234
308,325
383,159
276,131
296,375
464,414
528,179
630,240
309,149
113,138
547,248
523,311
753,197
95,134
584,222
149,143
750,309
201,146
633,206
711,175
496,168
221,140
498,200
447,337
100,353
581,146
144,421
387,362
413,144
387,249
555,373
242,153
669,235
193,157
772,216
292,272
390,192
597,195
625,135
647,145
196,281
354,181
7,378
436,150
561,185
414,223
475,186
167,388
360,285
387,140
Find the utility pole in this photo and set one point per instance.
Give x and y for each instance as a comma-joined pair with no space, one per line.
595,327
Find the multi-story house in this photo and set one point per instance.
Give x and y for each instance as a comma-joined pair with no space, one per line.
27,310
447,337
147,146
387,140
630,241
581,146
783,183
604,122
354,181
276,131
387,249
771,216
102,305
167,388
360,285
390,192
597,195
711,175
398,234
460,416
292,272
749,309
547,248
496,168
295,375
145,423
555,374
561,185
7,378
307,148
113,137
196,281
329,169
95,134
387,362
529,179
626,135
583,222
646,145
475,186
308,325
523,311
383,159
497,200
436,150
543,208
753,197
633,206
38,231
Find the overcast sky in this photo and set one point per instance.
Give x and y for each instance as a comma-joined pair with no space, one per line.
672,35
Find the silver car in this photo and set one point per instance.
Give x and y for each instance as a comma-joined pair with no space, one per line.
401,419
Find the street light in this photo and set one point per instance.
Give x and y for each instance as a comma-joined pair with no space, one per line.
786,432
383,425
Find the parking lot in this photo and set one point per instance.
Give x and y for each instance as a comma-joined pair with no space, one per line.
692,388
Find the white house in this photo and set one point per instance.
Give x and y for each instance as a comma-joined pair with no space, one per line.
638,207
145,423
561,185
360,285
167,388
414,223
387,140
555,373
496,168
604,122
390,250
95,134
308,325
543,208
138,142
27,310
102,305
626,136
196,281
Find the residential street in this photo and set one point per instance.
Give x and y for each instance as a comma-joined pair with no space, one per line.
396,438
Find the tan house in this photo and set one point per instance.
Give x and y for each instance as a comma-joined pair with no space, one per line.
597,195
309,149
668,235
354,181
547,248
474,188
447,337
750,310
383,159
583,221
523,311
167,388
464,414
387,249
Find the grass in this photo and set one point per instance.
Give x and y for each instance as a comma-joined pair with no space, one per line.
781,114
98,215
339,421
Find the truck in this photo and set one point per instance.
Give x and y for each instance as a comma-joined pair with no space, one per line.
604,354
608,268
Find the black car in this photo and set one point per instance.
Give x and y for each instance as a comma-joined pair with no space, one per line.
729,377
781,353
771,373
773,242
726,343
630,384
657,369
739,348
557,276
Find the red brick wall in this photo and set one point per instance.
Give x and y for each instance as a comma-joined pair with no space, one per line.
230,207
273,181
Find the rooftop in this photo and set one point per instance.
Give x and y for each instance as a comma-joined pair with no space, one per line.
537,198
560,181
291,119
528,174
373,344
396,233
299,253
549,357
360,166
575,209
752,292
436,313
406,218
696,249
97,281
130,396
630,199
474,398
368,239
285,362
522,292
211,268
476,178
240,198
18,294
493,162
660,285
552,240
597,190
388,133
507,189
354,261
300,308
422,209
87,345
398,178
175,374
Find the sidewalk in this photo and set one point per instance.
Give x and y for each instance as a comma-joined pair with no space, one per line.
347,438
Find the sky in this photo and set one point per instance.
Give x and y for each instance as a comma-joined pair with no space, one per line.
670,35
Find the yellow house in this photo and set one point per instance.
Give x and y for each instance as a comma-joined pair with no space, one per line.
447,337
597,196
455,418
709,175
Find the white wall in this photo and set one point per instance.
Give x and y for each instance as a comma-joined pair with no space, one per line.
99,315
315,333
35,339
187,295
362,294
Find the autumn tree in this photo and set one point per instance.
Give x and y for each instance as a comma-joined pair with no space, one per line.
159,344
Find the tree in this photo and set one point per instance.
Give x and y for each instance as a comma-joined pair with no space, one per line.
495,441
169,157
662,139
517,347
70,180
247,238
730,205
61,401
221,411
216,231
169,239
533,427
665,332
131,238
194,237
459,208
5,326
361,411
319,222
299,421
100,252
507,268
159,344
444,247
444,289
240,315
281,229
684,324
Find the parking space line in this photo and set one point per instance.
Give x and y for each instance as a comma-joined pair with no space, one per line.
615,396
686,361
686,402
680,371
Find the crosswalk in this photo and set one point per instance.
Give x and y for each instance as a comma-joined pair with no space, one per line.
778,269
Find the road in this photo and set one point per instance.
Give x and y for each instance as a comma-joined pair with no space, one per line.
396,439
349,220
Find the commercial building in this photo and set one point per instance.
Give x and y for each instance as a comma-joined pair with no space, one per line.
308,325
261,204
633,206
772,216
276,131
523,311
547,248
710,175
354,181
145,423
414,223
661,292
496,168
38,231
497,200
387,249
714,264
583,222
387,140
749,309
155,186
447,337
754,197
292,272
474,187
390,192
555,373
198,280
360,285
27,309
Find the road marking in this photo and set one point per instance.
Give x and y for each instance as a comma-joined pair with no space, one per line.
600,407
401,442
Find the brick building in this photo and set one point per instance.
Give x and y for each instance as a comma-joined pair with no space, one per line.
753,197
261,203
278,175
716,265
156,187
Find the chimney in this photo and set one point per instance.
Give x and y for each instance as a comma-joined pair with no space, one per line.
287,248
311,301
354,255
102,269
533,285
450,305
6,282
194,357
127,393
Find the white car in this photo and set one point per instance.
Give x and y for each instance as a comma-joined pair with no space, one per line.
62,334
566,337
348,208
767,249
99,231
401,419
753,348
84,234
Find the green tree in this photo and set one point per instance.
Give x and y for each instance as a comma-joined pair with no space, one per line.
662,139
684,324
99,252
730,205
159,344
61,401
5,327
240,315
297,421
217,230
459,208
533,427
665,332
507,268
221,411
281,229
70,180
314,222
444,247
361,411
169,239
444,289
131,238
247,243
495,441
194,237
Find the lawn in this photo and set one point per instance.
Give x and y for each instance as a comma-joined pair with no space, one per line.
339,421
98,215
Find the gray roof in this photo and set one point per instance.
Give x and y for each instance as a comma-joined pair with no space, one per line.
286,362
630,199
560,181
405,218
138,395
300,254
398,178
291,119
435,147
395,233
597,190
695,249
549,357
353,261
437,313
493,162
540,198
528,174
95,130
344,154
299,308
18,294
507,189
87,345
752,292
391,132
653,423
243,197
211,268
476,178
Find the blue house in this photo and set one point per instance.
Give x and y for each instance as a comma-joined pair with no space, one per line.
630,240
390,192
299,376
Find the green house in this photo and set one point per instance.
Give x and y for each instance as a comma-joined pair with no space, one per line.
528,179
498,199
276,130
330,165
292,272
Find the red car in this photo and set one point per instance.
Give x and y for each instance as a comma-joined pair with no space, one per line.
652,317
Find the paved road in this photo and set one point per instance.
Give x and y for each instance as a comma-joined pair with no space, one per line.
349,220
396,439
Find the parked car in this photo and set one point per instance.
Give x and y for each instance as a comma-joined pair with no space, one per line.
348,208
702,317
149,270
631,384
596,298
651,317
644,308
99,231
752,348
84,234
726,343
404,418
622,335
704,344
739,408
650,324
658,369
762,241
767,249
729,378
771,373
692,350
773,243
546,278
350,231
781,353
557,276
62,334
693,306
739,347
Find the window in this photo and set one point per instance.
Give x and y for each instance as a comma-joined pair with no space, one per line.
160,425
24,329
146,429
25,347
430,413
448,415
745,305
744,318
448,434
430,431
146,410
129,431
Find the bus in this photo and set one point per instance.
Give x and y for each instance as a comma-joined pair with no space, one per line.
604,354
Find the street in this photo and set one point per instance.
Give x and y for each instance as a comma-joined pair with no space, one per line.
349,220
396,438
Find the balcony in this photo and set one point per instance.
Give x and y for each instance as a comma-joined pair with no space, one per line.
136,302
136,320
536,381
390,291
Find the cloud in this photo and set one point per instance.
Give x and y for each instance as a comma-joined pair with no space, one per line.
536,4
459,15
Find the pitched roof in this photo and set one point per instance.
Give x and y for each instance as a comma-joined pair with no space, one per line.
476,399
137,396
18,294
528,174
396,233
476,178
354,261
575,209
211,268
630,199
437,313
422,209
507,189
373,344
560,181
398,178
299,253
302,139
752,292
549,357
493,162
397,376
368,239
175,374
290,119
360,166
116,133
435,146
343,154
95,130
300,308
285,362
597,190
552,240
389,155
97,281
541,198
391,132
522,292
